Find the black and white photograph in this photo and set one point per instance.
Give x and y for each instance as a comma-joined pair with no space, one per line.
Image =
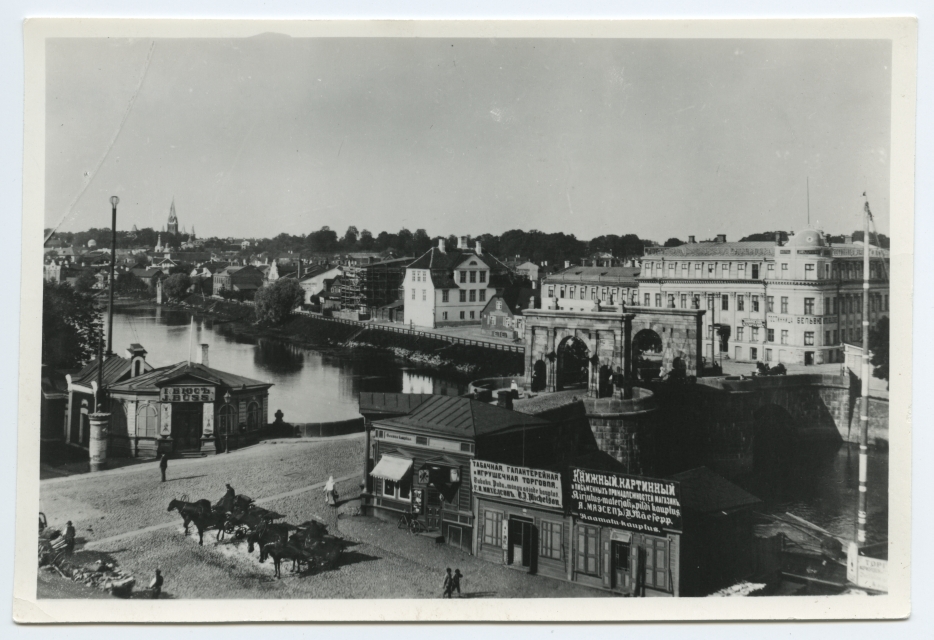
597,316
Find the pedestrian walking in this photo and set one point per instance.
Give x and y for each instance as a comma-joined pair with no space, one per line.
330,495
69,538
164,464
448,583
457,582
156,585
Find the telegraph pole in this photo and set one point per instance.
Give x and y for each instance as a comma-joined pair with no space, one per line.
864,396
114,201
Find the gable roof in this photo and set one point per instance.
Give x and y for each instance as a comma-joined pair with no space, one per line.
463,418
115,367
704,491
155,379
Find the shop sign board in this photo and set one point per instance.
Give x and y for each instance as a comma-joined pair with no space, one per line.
635,503
418,499
186,393
866,572
533,486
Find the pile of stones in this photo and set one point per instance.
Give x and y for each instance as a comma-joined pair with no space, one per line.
99,575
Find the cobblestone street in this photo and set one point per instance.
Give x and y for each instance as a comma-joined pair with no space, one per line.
121,516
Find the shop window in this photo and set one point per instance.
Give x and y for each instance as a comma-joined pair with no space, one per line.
147,421
588,549
253,416
656,564
551,539
226,420
493,528
397,490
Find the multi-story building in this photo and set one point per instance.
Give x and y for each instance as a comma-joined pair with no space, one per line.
797,302
584,288
443,287
367,286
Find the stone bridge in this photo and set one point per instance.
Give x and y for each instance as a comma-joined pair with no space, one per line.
564,349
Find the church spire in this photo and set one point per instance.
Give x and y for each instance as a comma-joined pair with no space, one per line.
173,219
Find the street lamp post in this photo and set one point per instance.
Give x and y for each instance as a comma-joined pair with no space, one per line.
114,201
226,424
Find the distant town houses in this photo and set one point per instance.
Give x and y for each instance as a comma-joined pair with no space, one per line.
245,280
315,280
502,317
587,288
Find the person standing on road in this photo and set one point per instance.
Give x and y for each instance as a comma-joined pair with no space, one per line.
163,465
456,582
156,585
69,538
329,494
448,584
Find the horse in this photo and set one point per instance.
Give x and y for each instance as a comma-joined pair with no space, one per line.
188,510
267,534
279,551
212,519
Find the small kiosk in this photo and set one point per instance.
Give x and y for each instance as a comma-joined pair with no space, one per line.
186,408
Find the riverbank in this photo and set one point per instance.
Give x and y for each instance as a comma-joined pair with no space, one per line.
324,335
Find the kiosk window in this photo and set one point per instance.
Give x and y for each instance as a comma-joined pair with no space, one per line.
493,528
656,563
551,539
147,421
588,549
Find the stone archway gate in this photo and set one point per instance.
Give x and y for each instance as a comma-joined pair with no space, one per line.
608,336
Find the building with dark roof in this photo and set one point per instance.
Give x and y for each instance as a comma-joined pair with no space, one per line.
188,407
238,279
420,461
502,316
793,302
587,288
451,287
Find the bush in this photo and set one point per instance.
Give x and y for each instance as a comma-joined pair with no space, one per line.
176,285
275,302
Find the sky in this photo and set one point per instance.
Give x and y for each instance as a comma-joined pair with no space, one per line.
662,138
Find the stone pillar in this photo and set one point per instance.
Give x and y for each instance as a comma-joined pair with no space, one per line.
97,443
164,443
159,291
207,428
550,370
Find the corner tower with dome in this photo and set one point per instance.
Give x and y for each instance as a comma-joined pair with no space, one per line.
794,302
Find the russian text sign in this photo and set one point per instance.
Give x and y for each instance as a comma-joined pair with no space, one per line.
627,502
186,394
534,486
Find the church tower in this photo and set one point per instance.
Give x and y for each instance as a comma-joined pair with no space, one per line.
173,219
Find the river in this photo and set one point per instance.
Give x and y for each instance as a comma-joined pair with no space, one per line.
308,385
313,386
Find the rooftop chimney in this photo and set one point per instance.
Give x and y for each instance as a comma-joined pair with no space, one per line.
204,355
462,242
567,264
691,240
778,238
479,249
721,237
847,239
441,245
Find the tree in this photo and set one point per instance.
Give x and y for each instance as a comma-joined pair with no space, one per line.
275,302
350,237
128,283
176,285
71,326
879,348
85,281
366,240
322,241
673,242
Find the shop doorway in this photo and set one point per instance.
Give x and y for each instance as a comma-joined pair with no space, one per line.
187,423
433,508
621,555
521,542
808,357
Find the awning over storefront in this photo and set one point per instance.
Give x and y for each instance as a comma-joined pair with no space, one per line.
391,468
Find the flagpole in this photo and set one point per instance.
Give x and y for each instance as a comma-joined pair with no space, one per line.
861,511
191,337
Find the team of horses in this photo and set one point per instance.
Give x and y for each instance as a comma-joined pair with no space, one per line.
308,545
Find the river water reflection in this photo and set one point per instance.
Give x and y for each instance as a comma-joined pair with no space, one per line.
309,386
